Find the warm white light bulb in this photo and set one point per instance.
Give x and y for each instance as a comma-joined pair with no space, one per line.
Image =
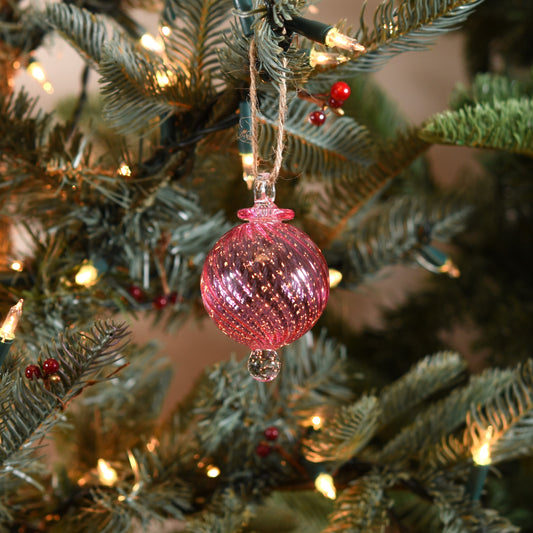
335,277
450,268
213,471
150,43
124,170
165,30
106,474
317,58
87,275
248,169
324,484
335,38
481,450
37,72
17,266
7,331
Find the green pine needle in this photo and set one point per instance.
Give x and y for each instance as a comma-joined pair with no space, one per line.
329,151
35,407
446,416
405,26
391,234
363,506
431,374
344,435
500,124
346,194
196,35
488,88
85,31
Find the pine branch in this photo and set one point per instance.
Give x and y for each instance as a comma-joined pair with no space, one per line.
22,131
231,516
315,377
363,506
500,125
391,235
431,374
411,25
131,90
509,414
490,88
85,31
445,416
460,515
349,431
273,48
195,36
329,151
34,408
349,192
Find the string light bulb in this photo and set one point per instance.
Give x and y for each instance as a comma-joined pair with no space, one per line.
7,331
323,34
436,261
165,30
481,450
336,39
36,71
247,169
124,170
16,266
212,471
316,422
107,475
325,485
151,43
335,277
245,143
325,59
87,275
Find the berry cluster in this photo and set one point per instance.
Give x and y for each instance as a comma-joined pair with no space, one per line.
338,94
263,448
159,302
48,368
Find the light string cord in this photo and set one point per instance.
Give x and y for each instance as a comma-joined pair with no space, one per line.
282,113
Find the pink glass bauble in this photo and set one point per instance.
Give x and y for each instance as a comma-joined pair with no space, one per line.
265,284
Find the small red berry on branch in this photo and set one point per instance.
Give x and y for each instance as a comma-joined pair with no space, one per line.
50,366
263,450
317,118
340,91
32,371
271,433
136,293
160,302
335,104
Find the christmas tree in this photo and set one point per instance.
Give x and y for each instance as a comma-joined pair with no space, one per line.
120,198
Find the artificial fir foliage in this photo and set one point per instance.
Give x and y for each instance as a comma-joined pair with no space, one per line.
385,421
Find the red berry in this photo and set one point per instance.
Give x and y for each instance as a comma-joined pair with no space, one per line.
50,366
317,118
263,450
271,433
32,371
340,91
335,104
136,292
159,302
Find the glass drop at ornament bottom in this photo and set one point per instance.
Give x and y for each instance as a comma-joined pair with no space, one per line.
265,283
